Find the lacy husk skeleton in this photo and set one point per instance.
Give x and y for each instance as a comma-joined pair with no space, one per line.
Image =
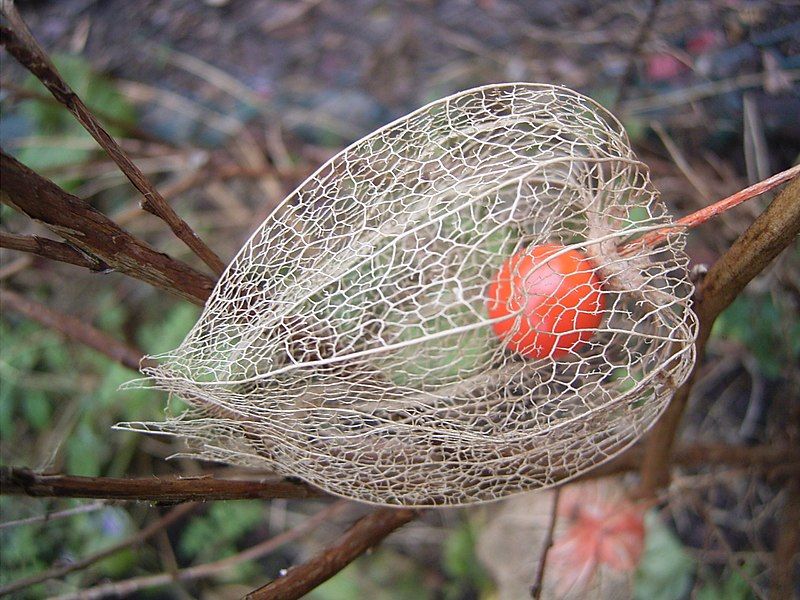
348,342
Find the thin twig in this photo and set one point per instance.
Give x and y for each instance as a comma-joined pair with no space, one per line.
366,533
86,228
130,586
536,588
635,51
147,95
206,174
297,12
20,43
704,214
54,516
51,249
133,540
73,328
165,490
21,481
169,562
767,236
698,217
756,156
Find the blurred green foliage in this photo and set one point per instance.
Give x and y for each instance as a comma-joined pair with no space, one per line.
460,563
665,571
382,575
732,587
771,332
218,533
30,549
58,402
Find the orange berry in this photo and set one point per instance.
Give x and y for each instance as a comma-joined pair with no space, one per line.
551,307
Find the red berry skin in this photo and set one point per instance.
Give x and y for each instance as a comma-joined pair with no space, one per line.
548,309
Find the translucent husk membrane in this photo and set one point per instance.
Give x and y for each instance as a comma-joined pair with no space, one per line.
348,342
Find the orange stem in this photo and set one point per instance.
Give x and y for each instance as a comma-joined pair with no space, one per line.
654,238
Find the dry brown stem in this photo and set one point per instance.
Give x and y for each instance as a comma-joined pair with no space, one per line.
769,234
698,217
20,43
366,533
51,249
96,235
73,328
21,481
165,490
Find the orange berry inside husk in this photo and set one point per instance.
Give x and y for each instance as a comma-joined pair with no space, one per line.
549,307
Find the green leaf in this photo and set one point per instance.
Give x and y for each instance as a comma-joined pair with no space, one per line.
118,564
196,536
637,214
665,570
97,91
44,158
636,128
625,378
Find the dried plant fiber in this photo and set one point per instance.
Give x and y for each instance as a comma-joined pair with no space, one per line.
348,342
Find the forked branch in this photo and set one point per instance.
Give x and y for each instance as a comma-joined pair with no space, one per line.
20,43
767,237
51,249
96,235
